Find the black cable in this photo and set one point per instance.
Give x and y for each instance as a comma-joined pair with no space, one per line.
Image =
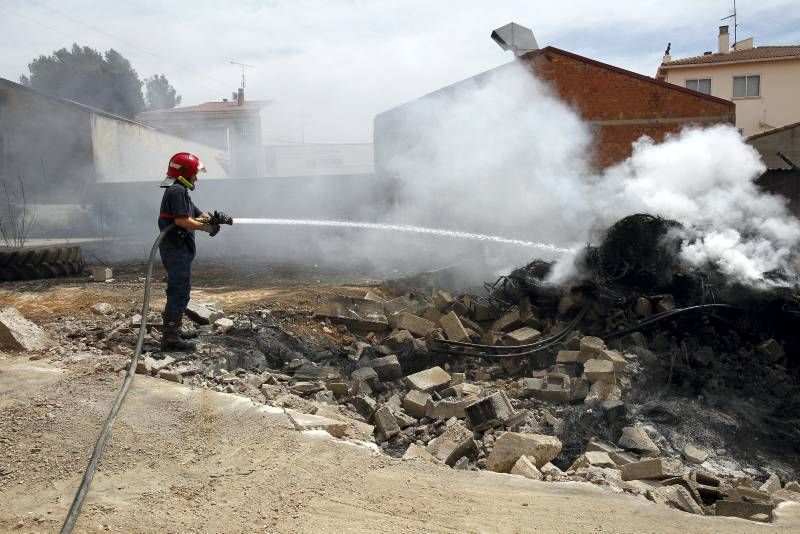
83,489
664,315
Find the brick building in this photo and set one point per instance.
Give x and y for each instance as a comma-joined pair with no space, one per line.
620,105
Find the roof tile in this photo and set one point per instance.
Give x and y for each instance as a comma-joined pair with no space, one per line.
759,52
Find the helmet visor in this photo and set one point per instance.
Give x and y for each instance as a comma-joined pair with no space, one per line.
201,167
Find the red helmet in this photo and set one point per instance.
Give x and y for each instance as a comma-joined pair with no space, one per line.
184,164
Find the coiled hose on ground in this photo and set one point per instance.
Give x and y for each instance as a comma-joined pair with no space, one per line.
83,489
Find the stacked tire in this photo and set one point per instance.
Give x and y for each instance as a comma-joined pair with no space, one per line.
40,262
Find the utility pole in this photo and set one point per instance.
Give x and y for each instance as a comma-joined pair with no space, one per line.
244,66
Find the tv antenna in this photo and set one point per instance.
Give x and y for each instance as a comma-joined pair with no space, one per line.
244,66
735,24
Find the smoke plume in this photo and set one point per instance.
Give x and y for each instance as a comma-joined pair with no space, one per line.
501,154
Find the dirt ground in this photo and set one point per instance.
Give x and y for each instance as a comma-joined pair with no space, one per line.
183,460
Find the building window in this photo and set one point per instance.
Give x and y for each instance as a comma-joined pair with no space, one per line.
744,86
702,85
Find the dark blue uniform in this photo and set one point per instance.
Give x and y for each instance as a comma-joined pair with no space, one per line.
178,247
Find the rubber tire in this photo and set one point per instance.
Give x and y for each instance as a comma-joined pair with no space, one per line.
40,262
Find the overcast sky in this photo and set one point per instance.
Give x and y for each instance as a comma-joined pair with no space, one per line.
332,65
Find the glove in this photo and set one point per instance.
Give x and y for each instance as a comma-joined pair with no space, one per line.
220,217
211,228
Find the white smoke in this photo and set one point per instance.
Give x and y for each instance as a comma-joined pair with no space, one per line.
501,154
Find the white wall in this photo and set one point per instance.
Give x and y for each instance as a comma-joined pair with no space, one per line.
129,152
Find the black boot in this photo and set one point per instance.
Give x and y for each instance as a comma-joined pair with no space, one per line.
170,338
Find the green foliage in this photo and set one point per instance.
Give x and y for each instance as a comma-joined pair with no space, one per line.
160,94
104,81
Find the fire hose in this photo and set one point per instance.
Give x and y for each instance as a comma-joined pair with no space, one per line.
74,510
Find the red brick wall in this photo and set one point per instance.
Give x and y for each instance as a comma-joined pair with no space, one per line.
604,93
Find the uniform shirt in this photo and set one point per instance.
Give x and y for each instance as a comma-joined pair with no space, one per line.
174,204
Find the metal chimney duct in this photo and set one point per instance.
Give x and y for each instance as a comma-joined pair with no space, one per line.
516,38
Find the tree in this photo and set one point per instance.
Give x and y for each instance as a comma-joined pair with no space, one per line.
160,94
104,81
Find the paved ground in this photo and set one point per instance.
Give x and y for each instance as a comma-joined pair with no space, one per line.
183,460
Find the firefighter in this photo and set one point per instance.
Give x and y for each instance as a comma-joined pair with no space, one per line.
177,249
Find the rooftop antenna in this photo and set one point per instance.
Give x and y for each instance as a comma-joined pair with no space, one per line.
735,24
244,66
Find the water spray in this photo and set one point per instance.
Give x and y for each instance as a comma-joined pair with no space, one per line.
406,228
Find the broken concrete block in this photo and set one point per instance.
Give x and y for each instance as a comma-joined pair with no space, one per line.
552,388
102,274
455,442
771,485
398,340
694,455
599,371
508,321
490,411
158,365
387,368
634,438
525,468
567,357
551,471
415,452
614,357
304,421
385,422
415,403
144,366
652,468
223,325
408,321
792,486
745,510
593,458
508,448
403,419
453,328
591,347
432,314
429,380
364,405
364,374
171,375
204,312
601,392
447,408
522,336
371,295
772,350
356,314
102,308
679,497
19,334
442,300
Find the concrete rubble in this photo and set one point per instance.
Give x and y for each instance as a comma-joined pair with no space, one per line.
19,334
